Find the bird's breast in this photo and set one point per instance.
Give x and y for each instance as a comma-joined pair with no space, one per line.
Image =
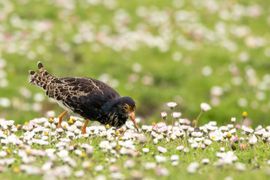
63,105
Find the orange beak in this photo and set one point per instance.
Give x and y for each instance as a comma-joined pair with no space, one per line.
132,118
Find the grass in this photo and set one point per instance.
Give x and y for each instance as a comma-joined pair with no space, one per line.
254,158
201,36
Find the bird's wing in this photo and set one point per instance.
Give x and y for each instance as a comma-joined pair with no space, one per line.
81,94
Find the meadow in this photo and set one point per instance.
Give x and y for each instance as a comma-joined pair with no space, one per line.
155,51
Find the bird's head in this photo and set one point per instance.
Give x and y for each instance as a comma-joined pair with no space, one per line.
124,107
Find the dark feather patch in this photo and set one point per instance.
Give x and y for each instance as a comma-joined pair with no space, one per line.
31,72
40,65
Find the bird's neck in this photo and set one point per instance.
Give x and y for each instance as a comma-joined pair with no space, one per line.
110,106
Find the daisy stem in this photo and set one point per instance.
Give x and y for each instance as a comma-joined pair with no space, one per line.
197,119
186,139
172,119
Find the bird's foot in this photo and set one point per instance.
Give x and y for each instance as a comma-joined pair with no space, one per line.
59,125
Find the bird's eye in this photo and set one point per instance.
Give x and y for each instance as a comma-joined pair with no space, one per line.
126,107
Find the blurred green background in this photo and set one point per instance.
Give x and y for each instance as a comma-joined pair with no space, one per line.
187,51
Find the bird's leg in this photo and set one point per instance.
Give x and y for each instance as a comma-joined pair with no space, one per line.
60,117
84,126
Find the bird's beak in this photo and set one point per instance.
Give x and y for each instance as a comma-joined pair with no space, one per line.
132,118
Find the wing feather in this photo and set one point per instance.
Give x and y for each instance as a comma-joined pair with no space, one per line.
82,95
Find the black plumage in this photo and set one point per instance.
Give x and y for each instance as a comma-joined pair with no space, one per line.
87,97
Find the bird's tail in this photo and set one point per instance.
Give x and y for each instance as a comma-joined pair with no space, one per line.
41,77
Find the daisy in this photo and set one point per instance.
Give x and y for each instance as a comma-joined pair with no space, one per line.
175,163
180,148
163,115
160,127
160,159
205,107
171,105
240,166
30,169
129,164
162,171
105,145
193,167
145,150
7,161
63,154
216,135
252,140
47,166
62,171
99,168
161,149
226,157
117,175
79,173
176,115
146,128
205,161
149,165
174,157
233,119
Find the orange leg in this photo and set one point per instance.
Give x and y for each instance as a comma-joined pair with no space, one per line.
60,117
84,126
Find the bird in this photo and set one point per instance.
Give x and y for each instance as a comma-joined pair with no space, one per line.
89,98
